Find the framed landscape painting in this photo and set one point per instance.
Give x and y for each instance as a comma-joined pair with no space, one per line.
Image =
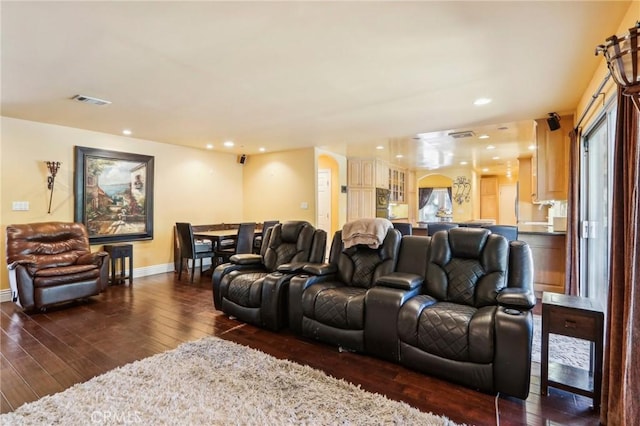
114,195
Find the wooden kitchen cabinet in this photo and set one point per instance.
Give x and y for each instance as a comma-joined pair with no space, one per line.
489,197
361,203
397,185
549,261
361,173
551,169
382,174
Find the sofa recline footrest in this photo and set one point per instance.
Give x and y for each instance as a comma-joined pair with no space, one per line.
400,280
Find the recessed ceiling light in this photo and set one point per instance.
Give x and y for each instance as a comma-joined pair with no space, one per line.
482,101
532,147
379,147
262,149
485,170
399,156
483,137
496,158
463,163
228,144
491,147
209,146
127,132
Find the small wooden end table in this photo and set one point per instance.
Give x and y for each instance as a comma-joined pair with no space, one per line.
579,317
120,251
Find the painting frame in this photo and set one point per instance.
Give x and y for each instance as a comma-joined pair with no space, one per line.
114,206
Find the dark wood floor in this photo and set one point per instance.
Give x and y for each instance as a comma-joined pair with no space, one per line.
45,353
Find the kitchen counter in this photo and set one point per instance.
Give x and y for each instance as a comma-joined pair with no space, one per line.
538,230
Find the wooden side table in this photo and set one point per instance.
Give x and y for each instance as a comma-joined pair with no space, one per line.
120,251
574,317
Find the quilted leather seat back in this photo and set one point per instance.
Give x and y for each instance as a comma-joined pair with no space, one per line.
467,266
289,242
47,244
361,266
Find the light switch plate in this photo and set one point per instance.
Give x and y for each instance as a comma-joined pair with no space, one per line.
20,206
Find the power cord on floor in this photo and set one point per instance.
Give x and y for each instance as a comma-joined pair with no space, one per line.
497,410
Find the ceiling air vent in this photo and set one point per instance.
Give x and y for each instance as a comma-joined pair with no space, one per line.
463,134
90,100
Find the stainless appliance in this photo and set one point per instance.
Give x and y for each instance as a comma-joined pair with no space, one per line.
382,202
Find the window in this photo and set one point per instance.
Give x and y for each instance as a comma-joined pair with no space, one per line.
438,206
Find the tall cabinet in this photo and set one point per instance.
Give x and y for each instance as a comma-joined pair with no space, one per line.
551,167
361,190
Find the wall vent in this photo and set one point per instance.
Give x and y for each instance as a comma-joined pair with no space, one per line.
463,134
90,100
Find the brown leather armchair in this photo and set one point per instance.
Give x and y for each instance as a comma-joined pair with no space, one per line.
51,262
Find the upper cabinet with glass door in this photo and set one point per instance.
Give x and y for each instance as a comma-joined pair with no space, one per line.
397,185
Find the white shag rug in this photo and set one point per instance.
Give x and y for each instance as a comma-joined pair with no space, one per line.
217,382
562,349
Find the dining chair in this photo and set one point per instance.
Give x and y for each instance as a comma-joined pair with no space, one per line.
243,245
510,232
257,239
433,227
190,248
403,227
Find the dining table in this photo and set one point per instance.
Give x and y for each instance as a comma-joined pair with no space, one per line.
217,236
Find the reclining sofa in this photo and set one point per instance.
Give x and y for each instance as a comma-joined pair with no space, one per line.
456,305
51,262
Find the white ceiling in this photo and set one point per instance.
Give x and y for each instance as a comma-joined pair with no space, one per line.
344,76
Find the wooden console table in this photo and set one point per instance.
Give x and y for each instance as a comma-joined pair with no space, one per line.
574,317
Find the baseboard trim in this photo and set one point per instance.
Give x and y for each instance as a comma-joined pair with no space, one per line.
5,294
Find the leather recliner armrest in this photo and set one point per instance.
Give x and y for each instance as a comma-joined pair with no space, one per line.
516,298
289,268
92,258
246,259
320,268
400,280
14,265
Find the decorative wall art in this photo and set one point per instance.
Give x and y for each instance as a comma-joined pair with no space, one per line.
461,190
114,194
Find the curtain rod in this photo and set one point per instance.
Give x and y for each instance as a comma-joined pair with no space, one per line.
593,99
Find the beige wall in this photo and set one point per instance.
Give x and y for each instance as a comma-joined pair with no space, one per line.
610,89
275,185
191,185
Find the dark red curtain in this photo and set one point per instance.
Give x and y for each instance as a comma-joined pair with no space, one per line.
621,378
423,197
572,273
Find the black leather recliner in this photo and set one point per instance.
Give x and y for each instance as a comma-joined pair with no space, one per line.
472,323
329,304
253,287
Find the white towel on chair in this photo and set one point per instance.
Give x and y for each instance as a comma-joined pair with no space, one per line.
370,232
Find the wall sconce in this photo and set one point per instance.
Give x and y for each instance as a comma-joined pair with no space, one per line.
53,167
461,190
622,59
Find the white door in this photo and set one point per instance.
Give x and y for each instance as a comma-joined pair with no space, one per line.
507,203
324,200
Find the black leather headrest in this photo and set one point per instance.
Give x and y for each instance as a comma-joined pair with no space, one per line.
290,230
467,242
